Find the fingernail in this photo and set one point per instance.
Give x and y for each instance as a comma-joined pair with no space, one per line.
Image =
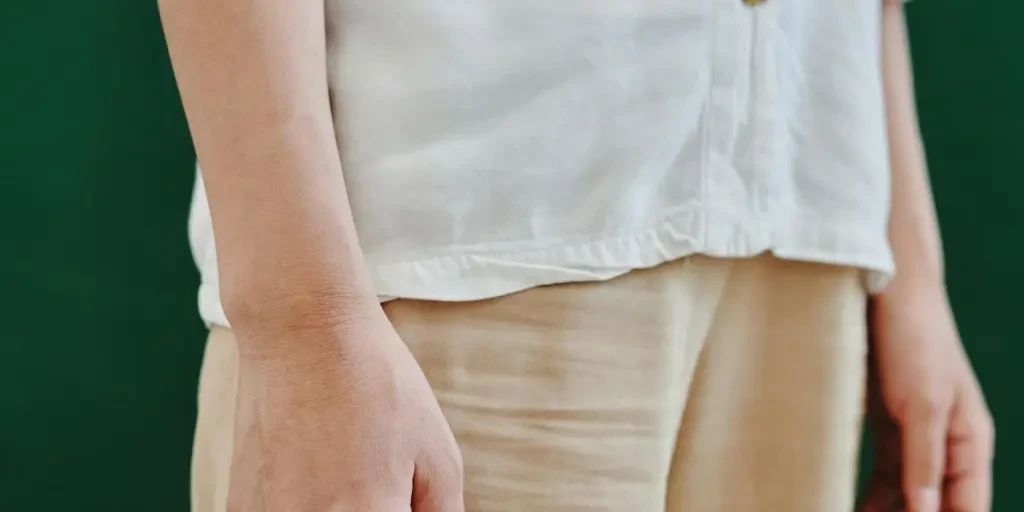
926,499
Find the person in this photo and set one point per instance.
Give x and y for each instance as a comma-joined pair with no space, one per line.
568,255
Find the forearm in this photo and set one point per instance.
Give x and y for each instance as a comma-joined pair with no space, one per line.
913,228
253,81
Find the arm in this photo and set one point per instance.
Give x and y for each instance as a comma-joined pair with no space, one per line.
933,433
333,413
913,229
253,79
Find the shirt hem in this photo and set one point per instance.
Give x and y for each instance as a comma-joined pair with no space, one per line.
459,275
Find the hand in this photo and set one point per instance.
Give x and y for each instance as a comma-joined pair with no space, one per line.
934,434
339,418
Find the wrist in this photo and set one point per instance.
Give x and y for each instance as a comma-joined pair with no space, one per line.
913,287
308,330
271,309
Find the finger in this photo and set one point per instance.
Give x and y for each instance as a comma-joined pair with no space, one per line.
969,493
437,486
968,485
923,436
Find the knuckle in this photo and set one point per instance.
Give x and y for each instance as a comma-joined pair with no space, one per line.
449,454
985,430
443,465
452,463
448,469
928,407
459,462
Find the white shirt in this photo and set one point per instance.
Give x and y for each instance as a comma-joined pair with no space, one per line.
490,146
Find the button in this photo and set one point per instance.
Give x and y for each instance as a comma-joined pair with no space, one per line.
753,3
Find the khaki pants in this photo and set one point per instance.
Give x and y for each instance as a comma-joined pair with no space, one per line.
702,385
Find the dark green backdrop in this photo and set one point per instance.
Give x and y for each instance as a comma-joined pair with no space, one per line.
99,338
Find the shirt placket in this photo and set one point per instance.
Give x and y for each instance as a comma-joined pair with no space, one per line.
764,121
728,106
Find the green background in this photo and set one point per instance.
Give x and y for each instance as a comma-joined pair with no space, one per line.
100,342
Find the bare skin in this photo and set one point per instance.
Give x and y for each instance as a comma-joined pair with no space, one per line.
934,432
335,414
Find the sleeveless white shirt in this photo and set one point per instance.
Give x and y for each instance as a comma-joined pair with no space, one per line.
490,146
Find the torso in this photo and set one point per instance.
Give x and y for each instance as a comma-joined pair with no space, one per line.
491,146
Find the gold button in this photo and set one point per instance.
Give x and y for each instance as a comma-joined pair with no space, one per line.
753,3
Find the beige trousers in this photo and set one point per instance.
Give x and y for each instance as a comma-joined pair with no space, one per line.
702,385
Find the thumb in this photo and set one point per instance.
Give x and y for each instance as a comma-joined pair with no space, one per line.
923,437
